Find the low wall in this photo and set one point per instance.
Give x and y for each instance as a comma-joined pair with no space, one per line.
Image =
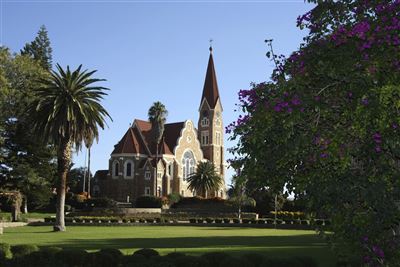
12,224
139,210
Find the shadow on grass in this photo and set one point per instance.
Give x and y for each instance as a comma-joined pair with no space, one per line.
303,241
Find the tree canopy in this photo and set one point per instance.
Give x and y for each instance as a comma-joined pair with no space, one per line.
67,110
326,126
205,179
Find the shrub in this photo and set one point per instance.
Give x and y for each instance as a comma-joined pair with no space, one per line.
108,257
227,220
101,203
51,250
192,220
44,257
148,202
236,220
174,198
200,220
150,220
137,260
269,221
218,220
255,259
246,221
72,257
191,261
305,222
209,220
214,258
116,253
174,255
164,201
5,251
147,252
235,262
261,221
23,250
306,261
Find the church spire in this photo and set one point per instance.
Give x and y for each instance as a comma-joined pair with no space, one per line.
210,89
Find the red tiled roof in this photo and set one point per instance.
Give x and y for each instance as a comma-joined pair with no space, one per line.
169,141
210,89
131,142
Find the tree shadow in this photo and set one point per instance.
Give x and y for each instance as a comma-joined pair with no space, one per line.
300,241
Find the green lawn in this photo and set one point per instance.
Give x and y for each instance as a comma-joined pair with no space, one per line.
30,215
192,240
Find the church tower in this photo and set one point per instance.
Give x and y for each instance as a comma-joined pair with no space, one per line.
210,126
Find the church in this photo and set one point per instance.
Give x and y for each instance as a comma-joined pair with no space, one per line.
135,170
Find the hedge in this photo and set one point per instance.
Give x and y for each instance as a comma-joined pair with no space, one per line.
148,202
147,257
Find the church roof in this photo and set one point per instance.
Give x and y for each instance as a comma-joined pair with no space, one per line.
210,89
101,174
131,142
139,139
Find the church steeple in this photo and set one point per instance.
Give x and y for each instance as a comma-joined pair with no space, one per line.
210,89
210,126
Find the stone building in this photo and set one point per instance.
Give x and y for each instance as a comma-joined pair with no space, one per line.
132,166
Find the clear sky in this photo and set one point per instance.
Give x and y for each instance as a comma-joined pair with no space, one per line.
157,50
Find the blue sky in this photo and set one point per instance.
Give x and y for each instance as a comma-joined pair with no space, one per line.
158,50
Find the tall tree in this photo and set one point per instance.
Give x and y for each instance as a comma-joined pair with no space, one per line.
157,116
40,49
25,164
327,125
205,179
66,109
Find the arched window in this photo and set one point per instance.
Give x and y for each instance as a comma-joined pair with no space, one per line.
128,169
115,169
188,163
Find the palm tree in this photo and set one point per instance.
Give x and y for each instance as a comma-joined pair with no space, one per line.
88,143
205,179
65,110
157,116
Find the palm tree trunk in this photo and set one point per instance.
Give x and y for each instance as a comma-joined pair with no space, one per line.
88,187
63,162
84,174
156,178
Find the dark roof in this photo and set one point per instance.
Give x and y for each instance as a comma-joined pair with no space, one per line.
131,142
101,174
172,131
169,140
210,89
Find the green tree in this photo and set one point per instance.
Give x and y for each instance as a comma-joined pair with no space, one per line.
326,127
26,164
237,195
66,109
75,179
205,179
157,116
40,49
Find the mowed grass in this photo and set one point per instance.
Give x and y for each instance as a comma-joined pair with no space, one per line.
189,239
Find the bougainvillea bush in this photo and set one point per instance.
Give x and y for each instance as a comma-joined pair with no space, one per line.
327,125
